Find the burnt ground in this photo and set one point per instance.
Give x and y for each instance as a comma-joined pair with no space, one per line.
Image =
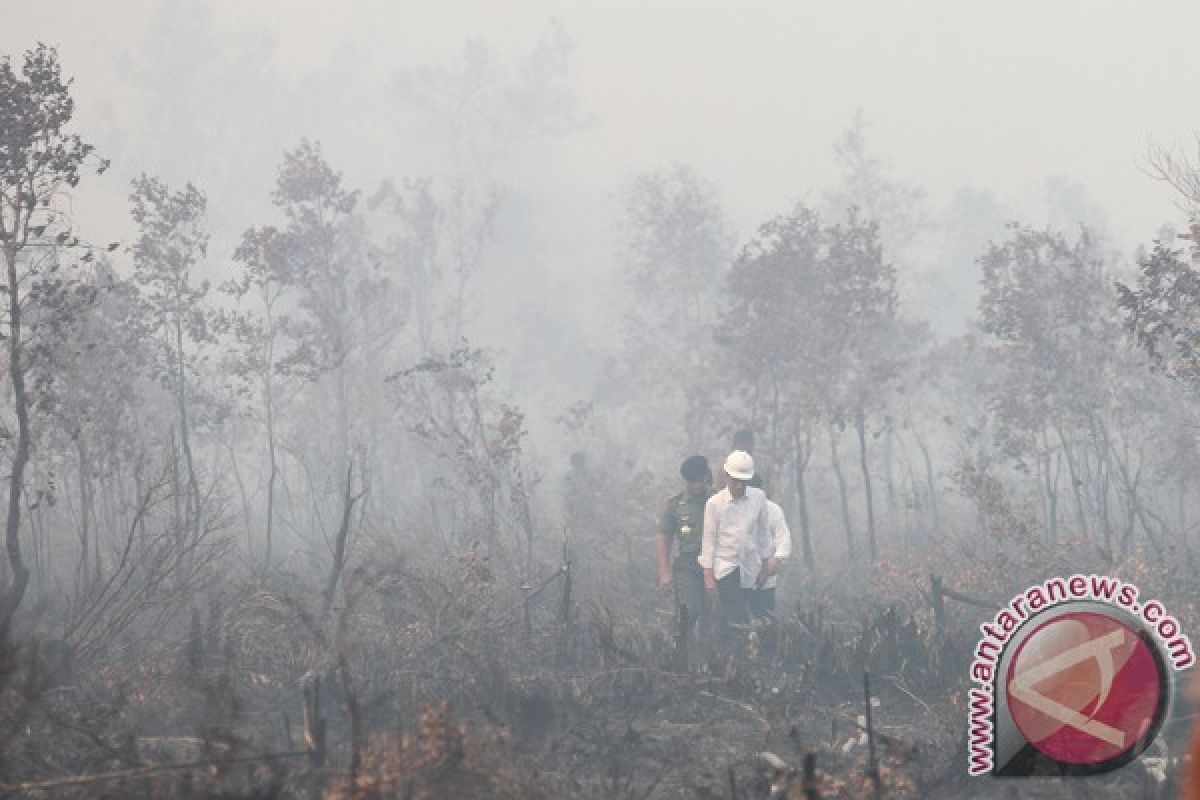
443,683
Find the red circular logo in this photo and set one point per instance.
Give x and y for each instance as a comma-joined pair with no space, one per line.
1085,688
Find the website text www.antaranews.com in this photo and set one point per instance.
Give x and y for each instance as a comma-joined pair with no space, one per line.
1037,598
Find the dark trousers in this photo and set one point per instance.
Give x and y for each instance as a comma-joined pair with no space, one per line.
732,599
688,579
761,602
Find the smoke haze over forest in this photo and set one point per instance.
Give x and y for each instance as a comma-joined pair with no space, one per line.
1046,110
351,353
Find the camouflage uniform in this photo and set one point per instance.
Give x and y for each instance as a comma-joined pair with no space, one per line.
683,523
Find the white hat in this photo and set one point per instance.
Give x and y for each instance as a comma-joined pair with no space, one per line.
739,465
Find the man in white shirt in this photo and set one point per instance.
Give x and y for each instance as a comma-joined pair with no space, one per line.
761,599
736,536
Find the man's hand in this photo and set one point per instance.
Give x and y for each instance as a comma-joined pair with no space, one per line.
664,580
710,581
770,566
664,562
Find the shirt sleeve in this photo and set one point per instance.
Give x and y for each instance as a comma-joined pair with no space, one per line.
666,523
708,541
781,536
763,530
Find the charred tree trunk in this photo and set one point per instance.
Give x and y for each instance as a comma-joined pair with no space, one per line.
1130,480
1131,521
841,480
1050,470
340,542
564,609
86,502
176,496
241,486
801,453
1103,470
181,395
38,539
860,424
889,445
1076,484
353,708
930,482
490,488
314,723
272,478
272,458
10,600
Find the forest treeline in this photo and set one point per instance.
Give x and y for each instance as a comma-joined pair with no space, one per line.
192,435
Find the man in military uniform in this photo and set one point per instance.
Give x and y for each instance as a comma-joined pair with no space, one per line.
683,523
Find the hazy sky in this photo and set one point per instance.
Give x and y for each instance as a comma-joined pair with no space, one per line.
995,96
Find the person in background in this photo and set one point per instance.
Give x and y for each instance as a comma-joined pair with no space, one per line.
735,534
681,528
761,599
